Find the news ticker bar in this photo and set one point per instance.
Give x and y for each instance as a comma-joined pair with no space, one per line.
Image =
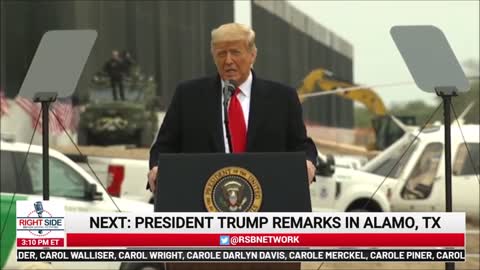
299,240
243,255
264,222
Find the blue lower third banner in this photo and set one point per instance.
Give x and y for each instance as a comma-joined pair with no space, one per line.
243,255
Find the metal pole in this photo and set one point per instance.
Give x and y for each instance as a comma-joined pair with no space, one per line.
45,153
45,98
448,155
447,100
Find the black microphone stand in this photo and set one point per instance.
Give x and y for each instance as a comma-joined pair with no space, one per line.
227,95
446,93
45,98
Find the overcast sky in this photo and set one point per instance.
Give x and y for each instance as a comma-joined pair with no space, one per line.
366,25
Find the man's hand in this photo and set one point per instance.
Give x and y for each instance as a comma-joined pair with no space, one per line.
152,178
311,169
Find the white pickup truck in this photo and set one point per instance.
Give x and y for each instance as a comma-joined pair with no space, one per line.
417,182
127,178
344,194
122,177
21,179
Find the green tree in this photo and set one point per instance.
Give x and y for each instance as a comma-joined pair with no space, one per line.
363,117
418,109
463,100
422,111
471,66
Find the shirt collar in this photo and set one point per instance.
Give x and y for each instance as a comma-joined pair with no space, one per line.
246,86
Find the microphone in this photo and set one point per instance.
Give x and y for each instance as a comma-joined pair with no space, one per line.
39,209
228,90
229,87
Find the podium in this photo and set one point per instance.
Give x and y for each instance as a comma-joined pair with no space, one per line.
264,182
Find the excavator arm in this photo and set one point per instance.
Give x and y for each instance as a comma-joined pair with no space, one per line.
386,130
325,81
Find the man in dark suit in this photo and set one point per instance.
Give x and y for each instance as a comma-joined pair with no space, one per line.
266,116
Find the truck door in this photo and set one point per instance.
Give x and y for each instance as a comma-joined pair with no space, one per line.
322,192
65,183
422,187
465,172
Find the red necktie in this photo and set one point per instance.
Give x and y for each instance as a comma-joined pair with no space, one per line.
238,129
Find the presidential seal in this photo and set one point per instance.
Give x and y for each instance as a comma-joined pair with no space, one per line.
232,189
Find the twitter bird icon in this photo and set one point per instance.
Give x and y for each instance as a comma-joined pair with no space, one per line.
224,240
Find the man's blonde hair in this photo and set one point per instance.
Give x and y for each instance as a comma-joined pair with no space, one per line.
234,32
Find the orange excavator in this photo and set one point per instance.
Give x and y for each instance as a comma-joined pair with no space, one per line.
322,82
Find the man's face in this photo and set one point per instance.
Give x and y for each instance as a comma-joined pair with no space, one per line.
233,60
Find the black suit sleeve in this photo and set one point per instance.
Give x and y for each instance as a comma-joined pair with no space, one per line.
169,134
311,151
297,135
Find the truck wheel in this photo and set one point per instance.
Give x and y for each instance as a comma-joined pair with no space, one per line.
142,266
359,206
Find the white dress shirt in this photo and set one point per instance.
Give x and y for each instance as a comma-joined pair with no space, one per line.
244,98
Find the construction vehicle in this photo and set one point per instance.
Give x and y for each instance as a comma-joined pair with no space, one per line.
386,129
133,121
